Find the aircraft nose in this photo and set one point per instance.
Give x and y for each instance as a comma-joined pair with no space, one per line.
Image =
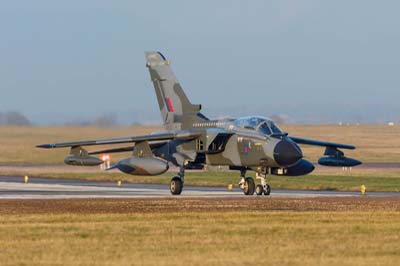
287,153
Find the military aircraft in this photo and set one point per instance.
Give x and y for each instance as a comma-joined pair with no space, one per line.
191,140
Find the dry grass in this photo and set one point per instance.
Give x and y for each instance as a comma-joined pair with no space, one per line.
196,204
375,143
207,237
17,144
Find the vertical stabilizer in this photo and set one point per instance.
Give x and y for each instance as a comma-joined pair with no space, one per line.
176,110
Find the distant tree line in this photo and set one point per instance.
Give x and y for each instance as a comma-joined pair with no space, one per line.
13,118
106,120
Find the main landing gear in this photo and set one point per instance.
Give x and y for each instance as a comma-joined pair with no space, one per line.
248,186
176,184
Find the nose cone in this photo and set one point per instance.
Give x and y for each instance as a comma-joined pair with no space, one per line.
287,153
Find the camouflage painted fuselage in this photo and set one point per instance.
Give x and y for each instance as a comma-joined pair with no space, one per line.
221,142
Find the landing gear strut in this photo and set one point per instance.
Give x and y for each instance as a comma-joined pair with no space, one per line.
264,188
176,184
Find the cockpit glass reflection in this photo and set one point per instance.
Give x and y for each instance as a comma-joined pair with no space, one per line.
275,129
264,129
259,123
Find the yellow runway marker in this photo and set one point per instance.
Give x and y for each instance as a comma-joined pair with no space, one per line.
119,183
363,189
26,179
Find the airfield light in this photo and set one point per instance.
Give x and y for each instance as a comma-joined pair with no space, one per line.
26,179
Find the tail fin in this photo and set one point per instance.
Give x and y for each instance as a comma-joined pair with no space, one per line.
176,110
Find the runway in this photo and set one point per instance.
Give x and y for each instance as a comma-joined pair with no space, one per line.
51,188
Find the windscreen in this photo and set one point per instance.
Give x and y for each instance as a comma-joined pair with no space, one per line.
275,129
249,122
264,129
261,124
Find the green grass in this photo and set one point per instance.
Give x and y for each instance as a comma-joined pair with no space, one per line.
206,238
343,182
334,182
17,144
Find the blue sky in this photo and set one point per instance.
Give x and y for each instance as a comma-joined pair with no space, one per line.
314,61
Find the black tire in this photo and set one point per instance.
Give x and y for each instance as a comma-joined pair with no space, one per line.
176,186
259,190
249,186
267,190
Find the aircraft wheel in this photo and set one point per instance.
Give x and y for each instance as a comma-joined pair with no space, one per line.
176,186
259,190
249,186
267,190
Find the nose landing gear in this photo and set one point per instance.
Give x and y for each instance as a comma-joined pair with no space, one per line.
263,188
247,183
248,186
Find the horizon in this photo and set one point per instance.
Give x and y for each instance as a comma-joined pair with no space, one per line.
112,121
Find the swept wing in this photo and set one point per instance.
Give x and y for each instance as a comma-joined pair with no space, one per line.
321,143
181,135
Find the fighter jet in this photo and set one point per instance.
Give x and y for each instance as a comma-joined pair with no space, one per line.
192,140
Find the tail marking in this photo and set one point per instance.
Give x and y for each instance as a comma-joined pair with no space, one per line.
169,105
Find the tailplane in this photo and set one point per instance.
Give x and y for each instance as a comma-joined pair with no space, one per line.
176,110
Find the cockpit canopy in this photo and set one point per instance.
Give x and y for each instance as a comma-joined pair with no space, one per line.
261,124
